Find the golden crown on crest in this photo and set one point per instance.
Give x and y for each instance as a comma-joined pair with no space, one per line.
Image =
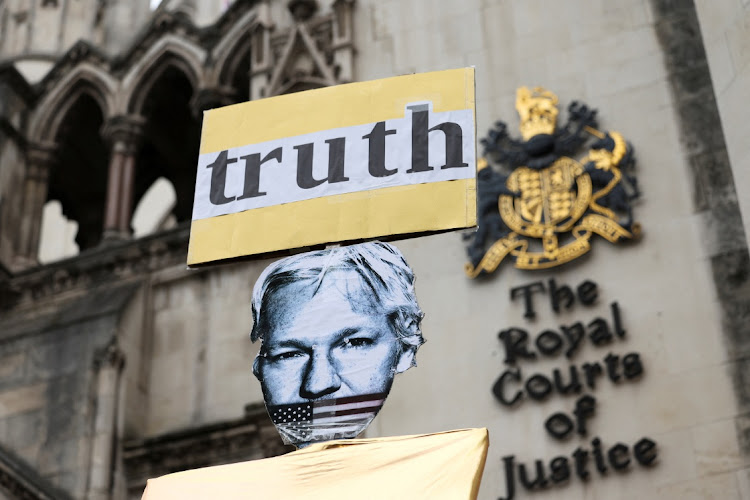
537,108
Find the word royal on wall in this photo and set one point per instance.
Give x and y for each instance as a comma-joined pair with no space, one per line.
513,387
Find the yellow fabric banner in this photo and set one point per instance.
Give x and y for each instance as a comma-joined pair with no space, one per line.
359,161
446,465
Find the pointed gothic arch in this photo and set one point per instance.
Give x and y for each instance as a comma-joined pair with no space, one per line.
57,234
81,153
235,70
301,66
85,78
168,52
171,137
232,56
154,211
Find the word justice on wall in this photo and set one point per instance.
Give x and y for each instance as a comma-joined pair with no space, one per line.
514,386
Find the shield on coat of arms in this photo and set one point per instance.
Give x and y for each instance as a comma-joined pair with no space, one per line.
544,211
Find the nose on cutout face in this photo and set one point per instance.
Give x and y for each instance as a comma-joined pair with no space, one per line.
321,377
326,341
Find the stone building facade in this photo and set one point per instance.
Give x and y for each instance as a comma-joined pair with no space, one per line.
118,364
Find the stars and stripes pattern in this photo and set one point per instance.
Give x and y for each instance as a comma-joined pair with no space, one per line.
328,411
327,419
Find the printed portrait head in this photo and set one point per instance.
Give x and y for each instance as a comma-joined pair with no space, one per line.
335,326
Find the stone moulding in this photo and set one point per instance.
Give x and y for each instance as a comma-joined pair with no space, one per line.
118,260
250,437
19,480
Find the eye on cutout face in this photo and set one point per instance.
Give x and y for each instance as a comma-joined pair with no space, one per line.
334,343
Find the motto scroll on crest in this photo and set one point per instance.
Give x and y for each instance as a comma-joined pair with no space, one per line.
537,204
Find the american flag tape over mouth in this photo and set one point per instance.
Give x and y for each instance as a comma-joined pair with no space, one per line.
326,419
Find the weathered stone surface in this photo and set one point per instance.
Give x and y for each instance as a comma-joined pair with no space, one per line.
11,367
19,480
187,371
15,401
714,187
223,442
45,405
25,429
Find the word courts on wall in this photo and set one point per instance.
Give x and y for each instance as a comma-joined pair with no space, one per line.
515,387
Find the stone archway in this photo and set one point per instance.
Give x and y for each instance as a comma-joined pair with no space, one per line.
81,154
169,52
85,78
170,140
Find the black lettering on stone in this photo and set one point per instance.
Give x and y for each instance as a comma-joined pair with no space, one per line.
574,386
618,457
549,342
538,387
539,480
574,333
645,451
613,362
598,456
587,292
631,366
510,481
559,425
560,470
515,341
617,320
590,372
599,332
526,291
584,410
563,294
581,458
499,388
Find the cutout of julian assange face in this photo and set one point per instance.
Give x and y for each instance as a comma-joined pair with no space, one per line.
328,357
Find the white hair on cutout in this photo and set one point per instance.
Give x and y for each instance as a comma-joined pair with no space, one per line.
381,267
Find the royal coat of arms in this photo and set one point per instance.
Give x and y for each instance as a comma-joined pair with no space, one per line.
538,204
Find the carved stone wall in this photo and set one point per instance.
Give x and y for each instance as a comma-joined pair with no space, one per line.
80,339
248,438
47,390
218,68
123,341
18,481
715,193
45,29
16,95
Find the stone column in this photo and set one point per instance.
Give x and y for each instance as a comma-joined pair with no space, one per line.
185,7
40,159
261,66
343,40
124,135
108,365
210,98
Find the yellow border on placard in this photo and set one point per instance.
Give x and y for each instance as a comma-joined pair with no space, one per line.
334,107
352,216
376,213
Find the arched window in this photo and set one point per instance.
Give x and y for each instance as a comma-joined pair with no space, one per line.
154,210
235,68
58,234
79,178
171,139
241,76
